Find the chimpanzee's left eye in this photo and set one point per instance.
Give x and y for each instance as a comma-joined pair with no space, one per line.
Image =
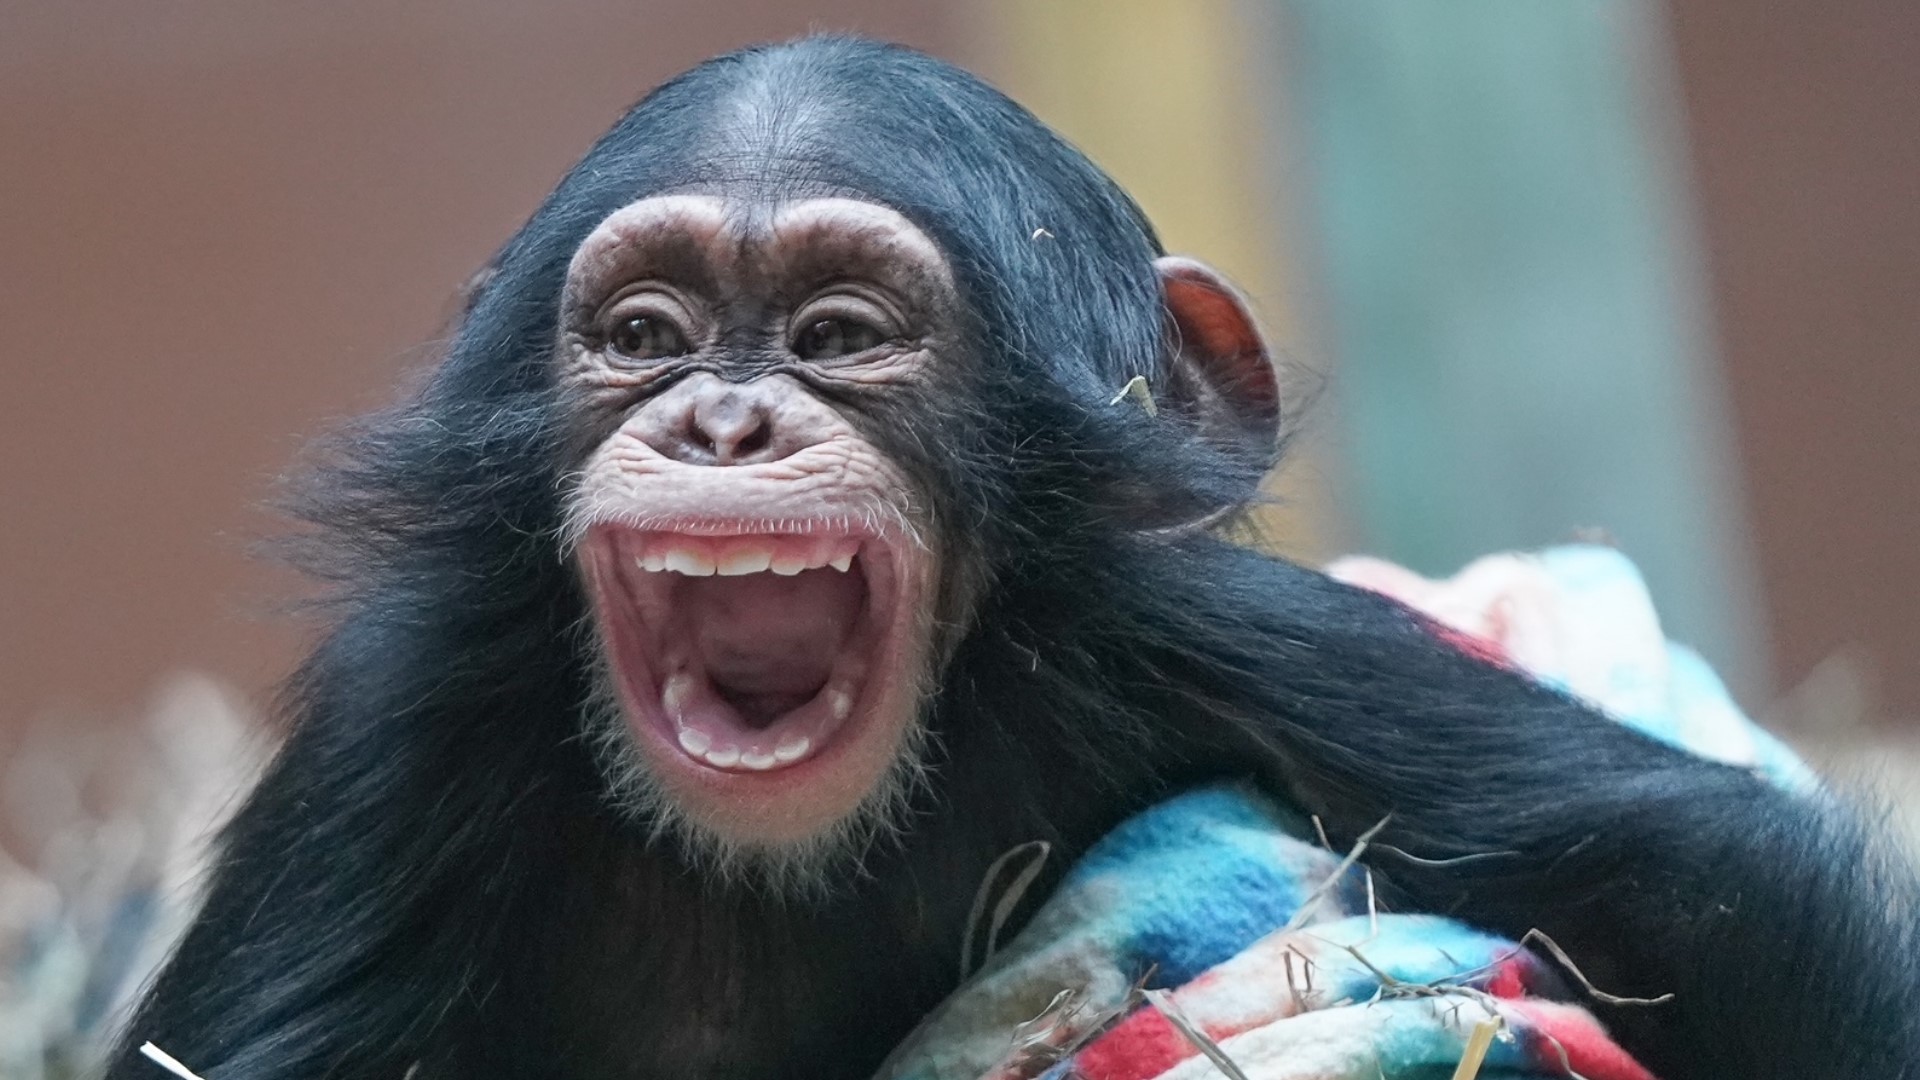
826,339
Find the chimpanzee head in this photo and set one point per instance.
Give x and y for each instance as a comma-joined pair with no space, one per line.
834,338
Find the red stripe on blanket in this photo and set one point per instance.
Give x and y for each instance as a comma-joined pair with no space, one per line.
1588,1050
1143,1045
1508,978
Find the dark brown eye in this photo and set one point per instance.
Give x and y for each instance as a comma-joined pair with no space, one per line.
648,337
825,339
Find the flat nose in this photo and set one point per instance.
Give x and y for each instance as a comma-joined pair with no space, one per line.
708,421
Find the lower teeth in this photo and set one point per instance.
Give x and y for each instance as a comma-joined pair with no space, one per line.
677,692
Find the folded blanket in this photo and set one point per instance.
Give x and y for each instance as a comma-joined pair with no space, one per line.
1273,960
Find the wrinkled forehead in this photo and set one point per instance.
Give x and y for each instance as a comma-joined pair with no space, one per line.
735,237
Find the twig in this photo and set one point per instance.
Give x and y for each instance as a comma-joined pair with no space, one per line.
1465,975
1559,954
1200,1040
1099,1023
1373,969
1319,893
1034,1051
1057,1013
1398,988
1299,1002
1016,889
1457,860
1566,1063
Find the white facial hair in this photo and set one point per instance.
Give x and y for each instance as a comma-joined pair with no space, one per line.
806,870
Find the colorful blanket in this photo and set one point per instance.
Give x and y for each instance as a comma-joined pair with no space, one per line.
1278,965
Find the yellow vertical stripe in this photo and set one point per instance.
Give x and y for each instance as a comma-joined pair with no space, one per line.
1161,93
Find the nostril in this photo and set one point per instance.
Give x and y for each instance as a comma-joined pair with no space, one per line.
727,425
743,442
754,440
738,439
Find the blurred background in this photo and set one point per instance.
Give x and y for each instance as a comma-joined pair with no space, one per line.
1590,268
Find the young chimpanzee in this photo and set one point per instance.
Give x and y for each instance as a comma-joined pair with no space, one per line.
768,554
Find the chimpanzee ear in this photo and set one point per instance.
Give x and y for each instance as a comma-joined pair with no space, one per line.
1223,377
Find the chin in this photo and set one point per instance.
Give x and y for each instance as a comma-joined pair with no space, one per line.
760,687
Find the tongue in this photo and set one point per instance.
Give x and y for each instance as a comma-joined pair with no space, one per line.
768,642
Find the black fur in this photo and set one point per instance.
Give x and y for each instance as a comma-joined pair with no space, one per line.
427,876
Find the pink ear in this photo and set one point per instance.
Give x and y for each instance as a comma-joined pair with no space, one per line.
1223,373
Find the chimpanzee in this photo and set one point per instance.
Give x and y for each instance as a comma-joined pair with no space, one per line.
770,552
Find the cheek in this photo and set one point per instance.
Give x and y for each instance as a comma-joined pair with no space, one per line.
590,416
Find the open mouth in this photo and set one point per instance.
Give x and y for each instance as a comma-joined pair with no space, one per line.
746,652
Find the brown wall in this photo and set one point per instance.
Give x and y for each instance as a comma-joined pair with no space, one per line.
223,224
1805,123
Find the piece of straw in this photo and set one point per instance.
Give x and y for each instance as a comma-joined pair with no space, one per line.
168,1062
1478,1044
1137,389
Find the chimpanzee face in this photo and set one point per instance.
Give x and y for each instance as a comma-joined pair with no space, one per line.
759,570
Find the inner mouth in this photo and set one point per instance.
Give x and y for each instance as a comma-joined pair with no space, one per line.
749,651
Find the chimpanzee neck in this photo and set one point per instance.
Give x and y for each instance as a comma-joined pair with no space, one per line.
695,979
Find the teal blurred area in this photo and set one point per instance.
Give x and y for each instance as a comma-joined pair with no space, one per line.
1510,290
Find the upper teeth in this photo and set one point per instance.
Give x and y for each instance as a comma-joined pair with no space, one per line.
739,555
688,561
744,561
